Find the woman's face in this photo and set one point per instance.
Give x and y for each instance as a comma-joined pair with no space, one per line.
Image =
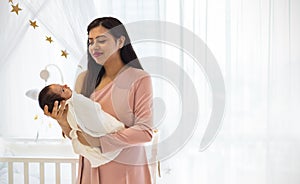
102,45
63,90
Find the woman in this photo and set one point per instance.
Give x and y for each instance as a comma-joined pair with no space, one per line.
116,80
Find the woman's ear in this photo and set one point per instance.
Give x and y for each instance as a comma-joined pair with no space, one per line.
121,41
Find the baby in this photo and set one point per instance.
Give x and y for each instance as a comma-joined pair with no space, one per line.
86,114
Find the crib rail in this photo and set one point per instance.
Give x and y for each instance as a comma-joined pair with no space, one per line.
41,162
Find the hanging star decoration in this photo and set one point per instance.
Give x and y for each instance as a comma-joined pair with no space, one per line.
33,24
49,39
64,53
16,9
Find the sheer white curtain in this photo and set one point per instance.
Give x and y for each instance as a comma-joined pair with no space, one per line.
256,45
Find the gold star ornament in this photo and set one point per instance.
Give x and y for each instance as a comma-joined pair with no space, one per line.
10,1
16,9
33,24
49,39
64,53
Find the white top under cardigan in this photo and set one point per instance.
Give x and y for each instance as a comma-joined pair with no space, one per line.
90,117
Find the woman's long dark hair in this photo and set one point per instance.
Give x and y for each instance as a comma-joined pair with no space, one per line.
128,55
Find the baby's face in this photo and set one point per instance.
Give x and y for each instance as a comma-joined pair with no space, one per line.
63,90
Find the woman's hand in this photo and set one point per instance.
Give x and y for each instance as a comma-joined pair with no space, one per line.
59,114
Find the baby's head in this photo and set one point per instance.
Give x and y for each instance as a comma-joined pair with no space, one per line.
53,92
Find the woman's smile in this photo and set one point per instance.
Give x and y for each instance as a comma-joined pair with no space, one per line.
97,54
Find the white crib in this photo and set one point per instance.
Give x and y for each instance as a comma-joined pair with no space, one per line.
60,165
26,161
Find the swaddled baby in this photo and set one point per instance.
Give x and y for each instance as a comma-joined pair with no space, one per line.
86,114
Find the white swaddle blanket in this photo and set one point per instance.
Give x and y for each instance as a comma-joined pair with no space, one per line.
90,117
